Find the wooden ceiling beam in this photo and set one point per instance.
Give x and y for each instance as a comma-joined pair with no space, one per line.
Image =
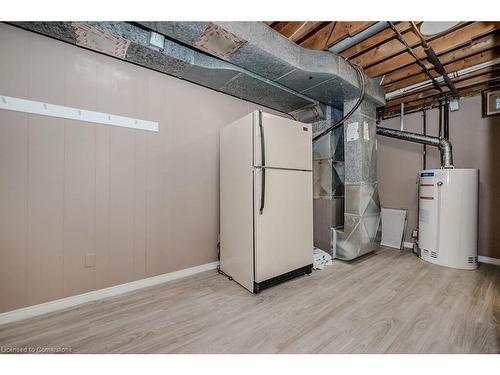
376,40
477,46
386,50
395,47
287,28
346,29
450,68
317,40
295,31
443,44
467,44
333,33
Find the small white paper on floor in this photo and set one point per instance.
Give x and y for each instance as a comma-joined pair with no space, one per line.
321,259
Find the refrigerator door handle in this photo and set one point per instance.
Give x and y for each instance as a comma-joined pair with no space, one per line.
262,190
263,164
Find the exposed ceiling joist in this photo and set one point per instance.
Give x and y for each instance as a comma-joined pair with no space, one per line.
296,31
382,54
375,40
450,67
477,46
440,45
333,33
391,48
482,76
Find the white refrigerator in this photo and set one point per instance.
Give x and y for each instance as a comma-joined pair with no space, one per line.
266,200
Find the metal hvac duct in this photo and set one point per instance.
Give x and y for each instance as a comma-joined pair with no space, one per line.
360,232
443,144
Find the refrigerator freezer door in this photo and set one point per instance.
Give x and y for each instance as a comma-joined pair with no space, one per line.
287,143
284,230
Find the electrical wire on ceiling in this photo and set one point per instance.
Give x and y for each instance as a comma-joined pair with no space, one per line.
362,83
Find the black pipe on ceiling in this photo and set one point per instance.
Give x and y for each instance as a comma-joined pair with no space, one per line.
434,60
418,60
446,131
424,131
440,127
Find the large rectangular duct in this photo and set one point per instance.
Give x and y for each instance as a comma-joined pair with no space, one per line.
346,205
175,59
361,231
320,75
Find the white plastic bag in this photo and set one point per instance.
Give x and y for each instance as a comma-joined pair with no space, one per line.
321,259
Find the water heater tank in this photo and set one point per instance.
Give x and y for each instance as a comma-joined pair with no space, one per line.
447,220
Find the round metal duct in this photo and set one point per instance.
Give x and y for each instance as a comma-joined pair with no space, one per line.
435,27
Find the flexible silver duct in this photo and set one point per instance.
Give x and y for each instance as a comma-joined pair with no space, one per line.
443,144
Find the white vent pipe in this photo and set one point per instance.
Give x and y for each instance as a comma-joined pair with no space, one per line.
458,73
402,113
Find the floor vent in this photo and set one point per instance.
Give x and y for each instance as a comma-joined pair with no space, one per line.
471,260
433,254
426,252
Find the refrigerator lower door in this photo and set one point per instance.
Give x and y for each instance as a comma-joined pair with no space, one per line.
283,222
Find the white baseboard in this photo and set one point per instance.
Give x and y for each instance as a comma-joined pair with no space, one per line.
64,303
483,259
408,245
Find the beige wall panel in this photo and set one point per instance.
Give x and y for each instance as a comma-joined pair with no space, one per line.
81,80
141,97
101,222
79,208
13,172
104,96
13,209
14,65
47,66
121,205
140,205
193,170
475,145
397,165
45,209
80,174
122,178
46,173
158,144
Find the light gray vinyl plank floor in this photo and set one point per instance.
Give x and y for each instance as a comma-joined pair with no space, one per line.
387,302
